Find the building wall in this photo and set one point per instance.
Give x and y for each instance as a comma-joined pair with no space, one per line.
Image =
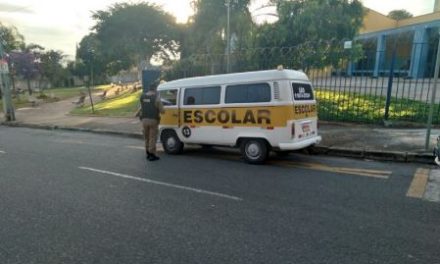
419,20
410,39
375,21
125,77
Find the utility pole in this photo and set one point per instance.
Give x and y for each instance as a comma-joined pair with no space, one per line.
433,95
91,52
91,80
228,37
8,107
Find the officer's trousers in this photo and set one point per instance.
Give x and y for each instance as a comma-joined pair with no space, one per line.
150,127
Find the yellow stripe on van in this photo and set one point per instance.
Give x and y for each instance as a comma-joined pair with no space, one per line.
276,116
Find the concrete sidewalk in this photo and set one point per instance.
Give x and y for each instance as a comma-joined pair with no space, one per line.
341,139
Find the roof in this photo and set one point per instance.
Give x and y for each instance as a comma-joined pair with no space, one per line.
256,76
377,22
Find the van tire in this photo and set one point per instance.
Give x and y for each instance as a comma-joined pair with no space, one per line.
170,142
254,151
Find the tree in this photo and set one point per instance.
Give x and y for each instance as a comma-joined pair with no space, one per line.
25,63
315,20
89,57
399,14
315,28
130,33
11,40
206,32
51,67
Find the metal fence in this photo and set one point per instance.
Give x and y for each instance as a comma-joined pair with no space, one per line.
360,84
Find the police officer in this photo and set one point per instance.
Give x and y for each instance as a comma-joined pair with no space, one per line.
149,112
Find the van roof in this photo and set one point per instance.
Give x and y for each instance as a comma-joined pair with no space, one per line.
255,76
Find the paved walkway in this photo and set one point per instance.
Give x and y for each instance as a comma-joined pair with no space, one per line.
339,136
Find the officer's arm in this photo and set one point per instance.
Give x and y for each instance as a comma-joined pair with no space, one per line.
159,105
138,112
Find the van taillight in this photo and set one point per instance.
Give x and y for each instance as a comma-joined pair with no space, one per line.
293,130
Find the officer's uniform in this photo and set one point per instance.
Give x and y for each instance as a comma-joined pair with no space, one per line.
151,108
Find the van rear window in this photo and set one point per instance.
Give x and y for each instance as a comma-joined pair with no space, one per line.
302,92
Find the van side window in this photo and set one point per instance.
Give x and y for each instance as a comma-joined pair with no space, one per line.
202,95
302,91
248,93
168,97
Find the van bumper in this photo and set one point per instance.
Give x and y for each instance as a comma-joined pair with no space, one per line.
301,144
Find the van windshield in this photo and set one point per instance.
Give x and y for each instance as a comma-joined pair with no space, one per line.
302,92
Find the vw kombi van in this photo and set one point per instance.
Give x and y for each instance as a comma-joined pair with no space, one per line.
255,111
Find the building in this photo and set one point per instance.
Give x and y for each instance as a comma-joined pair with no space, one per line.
411,45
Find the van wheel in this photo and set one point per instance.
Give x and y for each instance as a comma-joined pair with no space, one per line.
171,142
254,151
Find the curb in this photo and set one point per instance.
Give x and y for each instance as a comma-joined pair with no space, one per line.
395,156
74,129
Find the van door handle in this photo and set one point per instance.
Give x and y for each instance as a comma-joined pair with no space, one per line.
175,115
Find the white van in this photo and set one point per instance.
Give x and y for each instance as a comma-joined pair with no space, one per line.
256,111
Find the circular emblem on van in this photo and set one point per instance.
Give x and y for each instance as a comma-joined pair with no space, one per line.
186,132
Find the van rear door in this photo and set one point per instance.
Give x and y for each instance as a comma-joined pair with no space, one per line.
305,110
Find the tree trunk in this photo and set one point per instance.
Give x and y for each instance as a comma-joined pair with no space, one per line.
14,91
12,76
28,81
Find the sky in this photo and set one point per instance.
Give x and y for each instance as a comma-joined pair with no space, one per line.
60,25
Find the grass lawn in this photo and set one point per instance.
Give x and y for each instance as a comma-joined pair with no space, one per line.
65,93
356,107
52,95
124,105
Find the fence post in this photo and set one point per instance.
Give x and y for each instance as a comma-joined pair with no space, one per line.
434,90
390,82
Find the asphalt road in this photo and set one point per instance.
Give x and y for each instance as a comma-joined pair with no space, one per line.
85,198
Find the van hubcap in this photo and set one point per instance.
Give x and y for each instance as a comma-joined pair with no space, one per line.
171,143
253,150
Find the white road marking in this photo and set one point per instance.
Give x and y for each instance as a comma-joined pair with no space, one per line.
159,147
136,147
432,192
163,184
2,152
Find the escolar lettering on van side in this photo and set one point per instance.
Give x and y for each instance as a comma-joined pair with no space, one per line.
301,109
227,116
